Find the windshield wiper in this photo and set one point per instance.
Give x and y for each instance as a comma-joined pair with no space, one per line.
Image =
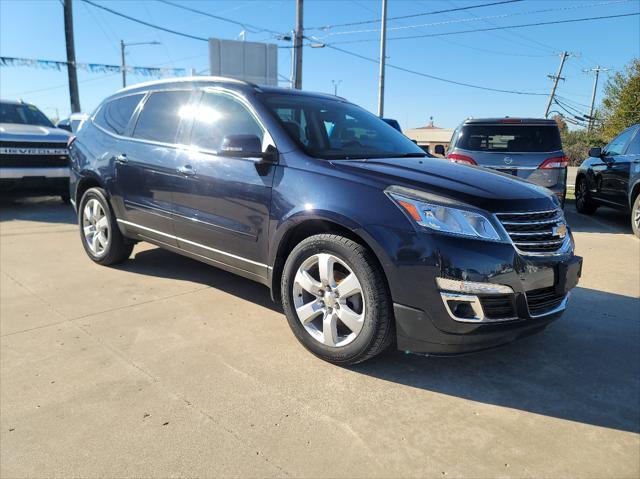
412,155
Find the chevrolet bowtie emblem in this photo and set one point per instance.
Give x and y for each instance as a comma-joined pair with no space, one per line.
508,160
560,230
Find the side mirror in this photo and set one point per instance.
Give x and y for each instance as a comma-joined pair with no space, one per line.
64,126
595,152
439,150
245,146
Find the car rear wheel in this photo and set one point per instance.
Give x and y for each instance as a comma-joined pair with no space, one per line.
635,216
101,237
584,204
336,300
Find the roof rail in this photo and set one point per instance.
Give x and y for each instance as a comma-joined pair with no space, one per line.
188,79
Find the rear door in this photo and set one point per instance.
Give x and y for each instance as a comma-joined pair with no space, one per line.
221,204
147,166
517,149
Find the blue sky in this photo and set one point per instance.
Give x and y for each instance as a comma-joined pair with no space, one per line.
518,59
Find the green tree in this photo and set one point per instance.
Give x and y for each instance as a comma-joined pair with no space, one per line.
621,104
576,144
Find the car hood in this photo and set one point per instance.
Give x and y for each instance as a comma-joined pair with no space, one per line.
479,187
32,133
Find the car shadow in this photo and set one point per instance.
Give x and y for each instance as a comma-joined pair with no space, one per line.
166,264
605,220
45,209
585,367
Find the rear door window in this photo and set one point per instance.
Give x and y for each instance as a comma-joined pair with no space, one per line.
114,116
160,117
510,138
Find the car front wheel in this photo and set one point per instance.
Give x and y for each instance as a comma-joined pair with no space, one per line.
336,300
100,235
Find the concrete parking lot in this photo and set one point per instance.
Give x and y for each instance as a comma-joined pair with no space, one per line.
165,367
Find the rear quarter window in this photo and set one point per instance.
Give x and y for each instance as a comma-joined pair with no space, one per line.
114,115
510,138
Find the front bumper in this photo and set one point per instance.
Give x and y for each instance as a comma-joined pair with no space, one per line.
425,320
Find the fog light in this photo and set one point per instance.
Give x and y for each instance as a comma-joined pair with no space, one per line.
472,287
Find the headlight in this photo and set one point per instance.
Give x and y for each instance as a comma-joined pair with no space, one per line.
445,219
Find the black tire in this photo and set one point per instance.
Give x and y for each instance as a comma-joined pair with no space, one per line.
118,247
635,216
378,325
584,204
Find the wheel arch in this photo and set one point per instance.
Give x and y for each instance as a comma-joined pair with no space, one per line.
86,181
635,191
308,227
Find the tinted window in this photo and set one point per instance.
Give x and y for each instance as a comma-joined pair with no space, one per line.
634,146
619,143
22,114
510,138
160,116
335,129
115,115
219,115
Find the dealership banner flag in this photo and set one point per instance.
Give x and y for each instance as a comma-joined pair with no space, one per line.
90,67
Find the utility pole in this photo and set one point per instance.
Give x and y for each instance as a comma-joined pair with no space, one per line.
297,46
383,48
74,96
555,79
597,71
123,66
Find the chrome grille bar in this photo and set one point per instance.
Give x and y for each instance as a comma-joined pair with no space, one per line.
535,232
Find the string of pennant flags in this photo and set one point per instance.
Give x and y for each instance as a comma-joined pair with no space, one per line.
90,67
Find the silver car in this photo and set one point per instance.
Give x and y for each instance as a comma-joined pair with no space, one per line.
528,148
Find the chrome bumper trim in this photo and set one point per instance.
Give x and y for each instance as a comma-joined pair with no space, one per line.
18,173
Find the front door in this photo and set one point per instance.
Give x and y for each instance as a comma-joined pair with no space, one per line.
221,204
147,169
614,172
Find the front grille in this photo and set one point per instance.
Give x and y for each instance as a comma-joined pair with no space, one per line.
16,160
541,301
498,306
535,231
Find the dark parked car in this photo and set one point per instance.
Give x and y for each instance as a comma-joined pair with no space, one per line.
529,148
362,239
611,177
33,153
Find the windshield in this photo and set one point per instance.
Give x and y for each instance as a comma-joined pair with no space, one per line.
335,129
510,138
23,114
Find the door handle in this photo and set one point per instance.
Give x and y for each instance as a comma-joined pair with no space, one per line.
122,158
186,170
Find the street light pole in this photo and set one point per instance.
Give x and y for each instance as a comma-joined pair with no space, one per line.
383,48
297,45
335,86
123,63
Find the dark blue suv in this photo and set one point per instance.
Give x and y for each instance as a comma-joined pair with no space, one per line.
363,239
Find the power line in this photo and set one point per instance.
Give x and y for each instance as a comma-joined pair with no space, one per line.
472,19
505,27
377,20
142,22
433,77
246,26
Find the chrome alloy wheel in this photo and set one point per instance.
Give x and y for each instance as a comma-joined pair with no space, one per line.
328,299
95,227
636,216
